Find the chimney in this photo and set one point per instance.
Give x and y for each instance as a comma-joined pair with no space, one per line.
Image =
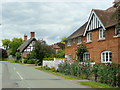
116,3
25,37
32,34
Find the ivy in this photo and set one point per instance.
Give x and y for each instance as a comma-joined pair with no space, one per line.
81,49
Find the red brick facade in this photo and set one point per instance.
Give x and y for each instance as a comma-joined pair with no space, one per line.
96,47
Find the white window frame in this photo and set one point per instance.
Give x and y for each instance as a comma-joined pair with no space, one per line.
105,58
101,34
86,56
79,40
89,37
69,43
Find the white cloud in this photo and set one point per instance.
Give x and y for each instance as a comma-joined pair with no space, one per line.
50,20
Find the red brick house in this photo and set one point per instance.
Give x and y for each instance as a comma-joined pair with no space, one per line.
58,46
27,46
100,36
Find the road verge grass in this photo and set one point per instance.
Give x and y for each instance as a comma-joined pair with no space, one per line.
59,74
94,84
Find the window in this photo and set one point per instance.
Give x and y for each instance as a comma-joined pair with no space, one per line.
101,34
69,43
79,40
117,31
89,37
69,57
74,40
86,56
106,56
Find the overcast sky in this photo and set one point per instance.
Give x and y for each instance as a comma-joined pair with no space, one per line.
49,20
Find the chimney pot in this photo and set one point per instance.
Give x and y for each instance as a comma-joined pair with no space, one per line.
25,37
32,34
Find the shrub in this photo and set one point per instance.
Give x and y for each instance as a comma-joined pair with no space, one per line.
31,61
53,69
104,73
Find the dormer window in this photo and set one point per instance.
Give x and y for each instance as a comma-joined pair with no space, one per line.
69,43
101,34
79,40
89,37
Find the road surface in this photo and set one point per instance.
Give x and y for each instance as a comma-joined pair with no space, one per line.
21,76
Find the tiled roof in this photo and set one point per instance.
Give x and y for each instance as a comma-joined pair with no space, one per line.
25,44
55,46
78,32
107,17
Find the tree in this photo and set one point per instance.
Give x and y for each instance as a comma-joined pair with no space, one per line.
15,43
60,53
80,51
3,53
41,50
18,55
62,40
6,43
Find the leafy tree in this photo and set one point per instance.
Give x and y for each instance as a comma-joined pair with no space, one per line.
60,53
3,54
41,50
15,43
6,43
18,55
62,40
80,51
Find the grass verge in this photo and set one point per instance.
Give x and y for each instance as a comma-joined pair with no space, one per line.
94,84
59,74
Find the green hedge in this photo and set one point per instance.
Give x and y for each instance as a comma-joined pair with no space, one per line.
50,59
30,61
103,73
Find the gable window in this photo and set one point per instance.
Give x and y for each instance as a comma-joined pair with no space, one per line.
89,37
102,34
86,56
106,57
69,43
79,40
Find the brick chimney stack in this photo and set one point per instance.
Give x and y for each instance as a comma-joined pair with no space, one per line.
32,34
25,37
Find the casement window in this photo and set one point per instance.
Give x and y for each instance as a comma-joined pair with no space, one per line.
106,57
79,40
89,37
117,31
74,40
69,57
102,34
69,43
86,56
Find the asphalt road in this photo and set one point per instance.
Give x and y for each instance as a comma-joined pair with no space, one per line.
21,76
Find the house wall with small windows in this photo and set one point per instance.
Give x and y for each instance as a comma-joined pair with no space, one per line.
97,46
100,50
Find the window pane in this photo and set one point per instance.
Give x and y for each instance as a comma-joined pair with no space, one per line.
106,56
110,56
103,57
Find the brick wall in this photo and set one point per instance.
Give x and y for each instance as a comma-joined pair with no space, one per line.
97,46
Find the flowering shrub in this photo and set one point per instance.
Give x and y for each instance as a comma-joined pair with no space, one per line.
104,73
